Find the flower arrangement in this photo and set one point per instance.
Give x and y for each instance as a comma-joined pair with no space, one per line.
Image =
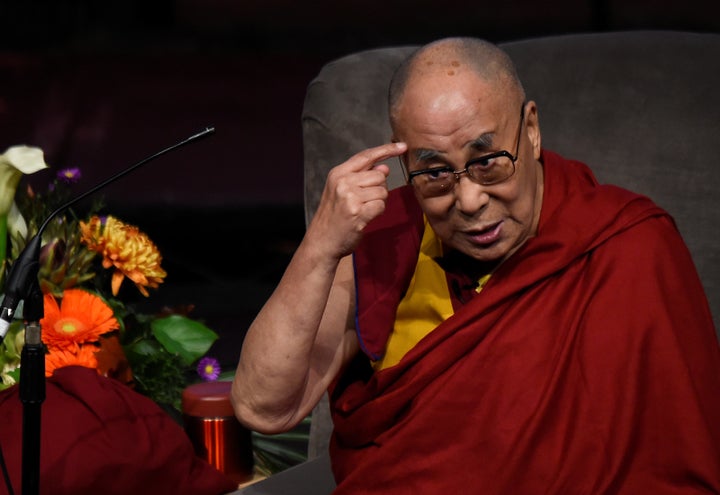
83,264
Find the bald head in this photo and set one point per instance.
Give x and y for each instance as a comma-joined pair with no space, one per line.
450,56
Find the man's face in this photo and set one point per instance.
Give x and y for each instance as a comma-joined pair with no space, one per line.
448,119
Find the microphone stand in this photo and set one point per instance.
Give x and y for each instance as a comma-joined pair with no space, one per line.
32,388
23,280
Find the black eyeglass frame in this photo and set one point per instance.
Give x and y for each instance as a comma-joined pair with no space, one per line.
484,158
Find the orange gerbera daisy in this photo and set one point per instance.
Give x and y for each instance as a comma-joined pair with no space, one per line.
127,249
58,358
81,317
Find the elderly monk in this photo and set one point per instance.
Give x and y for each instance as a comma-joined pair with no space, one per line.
503,324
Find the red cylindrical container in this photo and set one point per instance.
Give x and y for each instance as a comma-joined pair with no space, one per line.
216,434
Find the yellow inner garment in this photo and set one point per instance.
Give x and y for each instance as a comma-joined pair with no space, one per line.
426,304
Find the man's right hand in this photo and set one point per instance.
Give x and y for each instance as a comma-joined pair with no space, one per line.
354,194
304,334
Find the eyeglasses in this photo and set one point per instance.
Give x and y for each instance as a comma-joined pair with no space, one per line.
486,170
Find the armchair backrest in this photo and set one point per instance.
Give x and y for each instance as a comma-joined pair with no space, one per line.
642,109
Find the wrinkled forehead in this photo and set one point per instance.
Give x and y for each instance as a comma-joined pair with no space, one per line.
436,93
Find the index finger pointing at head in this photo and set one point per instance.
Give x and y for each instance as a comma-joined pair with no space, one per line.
367,159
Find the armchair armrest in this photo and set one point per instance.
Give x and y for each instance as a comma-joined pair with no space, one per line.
313,477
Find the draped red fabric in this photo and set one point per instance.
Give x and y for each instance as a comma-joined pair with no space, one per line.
389,238
98,436
588,364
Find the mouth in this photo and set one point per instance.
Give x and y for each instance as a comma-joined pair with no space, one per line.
486,236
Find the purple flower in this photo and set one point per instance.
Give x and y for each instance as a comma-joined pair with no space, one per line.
69,175
209,369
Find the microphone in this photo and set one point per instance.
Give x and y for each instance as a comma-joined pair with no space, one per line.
19,281
24,271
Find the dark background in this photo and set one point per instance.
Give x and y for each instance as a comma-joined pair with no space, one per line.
101,85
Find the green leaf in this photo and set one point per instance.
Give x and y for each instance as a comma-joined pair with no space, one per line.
285,452
180,335
11,346
142,347
227,376
277,452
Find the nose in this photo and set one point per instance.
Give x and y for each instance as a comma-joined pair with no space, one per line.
459,173
470,197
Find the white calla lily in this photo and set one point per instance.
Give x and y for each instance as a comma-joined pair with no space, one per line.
16,161
16,224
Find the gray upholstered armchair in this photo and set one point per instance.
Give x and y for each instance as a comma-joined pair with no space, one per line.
641,108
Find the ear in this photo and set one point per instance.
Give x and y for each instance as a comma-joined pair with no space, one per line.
533,128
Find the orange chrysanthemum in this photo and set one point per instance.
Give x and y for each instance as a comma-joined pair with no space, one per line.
127,249
80,317
58,358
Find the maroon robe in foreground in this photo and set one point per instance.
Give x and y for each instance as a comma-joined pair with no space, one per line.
588,364
100,437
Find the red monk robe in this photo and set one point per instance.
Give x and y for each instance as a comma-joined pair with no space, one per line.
588,364
100,437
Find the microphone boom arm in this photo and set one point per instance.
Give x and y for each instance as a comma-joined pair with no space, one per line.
25,268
